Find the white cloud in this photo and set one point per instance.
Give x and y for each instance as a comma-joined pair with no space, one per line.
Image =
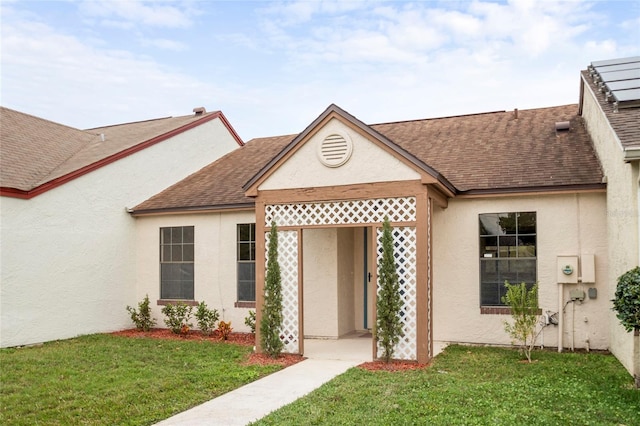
131,13
84,86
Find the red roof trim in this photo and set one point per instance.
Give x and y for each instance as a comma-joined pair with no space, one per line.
17,193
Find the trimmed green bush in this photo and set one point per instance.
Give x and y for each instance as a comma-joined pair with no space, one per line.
206,318
250,321
178,317
627,300
142,317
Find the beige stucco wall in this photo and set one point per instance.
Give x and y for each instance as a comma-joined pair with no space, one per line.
320,290
68,255
566,225
328,265
622,216
215,261
346,315
368,163
358,280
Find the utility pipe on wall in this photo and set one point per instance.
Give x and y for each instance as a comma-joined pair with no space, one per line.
560,315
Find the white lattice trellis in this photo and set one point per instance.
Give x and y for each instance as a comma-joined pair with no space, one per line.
342,212
404,248
288,260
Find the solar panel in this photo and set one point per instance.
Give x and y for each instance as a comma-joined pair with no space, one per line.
622,85
620,79
627,95
615,61
606,77
618,67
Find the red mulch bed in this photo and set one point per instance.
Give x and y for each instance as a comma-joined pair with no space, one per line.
248,339
244,339
392,366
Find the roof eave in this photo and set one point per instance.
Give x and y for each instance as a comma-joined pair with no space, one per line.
632,154
192,209
531,190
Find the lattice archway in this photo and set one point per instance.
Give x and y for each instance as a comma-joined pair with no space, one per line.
347,213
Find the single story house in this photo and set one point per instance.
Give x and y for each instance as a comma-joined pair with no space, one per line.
546,195
474,200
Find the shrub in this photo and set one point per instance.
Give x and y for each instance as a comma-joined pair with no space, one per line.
142,317
250,321
224,329
178,316
627,300
524,311
388,324
206,318
271,320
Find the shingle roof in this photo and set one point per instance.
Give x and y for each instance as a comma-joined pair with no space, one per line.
625,122
476,153
34,151
496,150
219,184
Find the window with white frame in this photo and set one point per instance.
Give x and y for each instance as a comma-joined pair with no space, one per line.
176,262
507,253
246,256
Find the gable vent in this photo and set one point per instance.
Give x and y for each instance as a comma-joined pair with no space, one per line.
335,150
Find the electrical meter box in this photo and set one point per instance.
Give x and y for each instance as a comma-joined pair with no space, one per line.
567,269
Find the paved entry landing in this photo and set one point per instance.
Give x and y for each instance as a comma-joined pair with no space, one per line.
326,360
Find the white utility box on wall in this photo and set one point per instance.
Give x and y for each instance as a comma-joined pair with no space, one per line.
567,269
588,268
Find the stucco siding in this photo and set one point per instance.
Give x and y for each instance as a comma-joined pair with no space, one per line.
566,225
622,215
68,255
215,262
320,265
346,288
368,163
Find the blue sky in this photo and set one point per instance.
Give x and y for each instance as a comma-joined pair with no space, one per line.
273,67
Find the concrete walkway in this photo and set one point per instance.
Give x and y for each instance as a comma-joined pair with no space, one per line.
325,360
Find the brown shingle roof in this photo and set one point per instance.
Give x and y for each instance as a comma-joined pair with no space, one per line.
219,184
625,122
34,151
31,148
476,153
495,151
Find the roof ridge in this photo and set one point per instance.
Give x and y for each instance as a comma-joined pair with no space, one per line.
436,118
152,119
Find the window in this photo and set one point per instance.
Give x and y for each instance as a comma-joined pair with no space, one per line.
507,253
246,262
176,262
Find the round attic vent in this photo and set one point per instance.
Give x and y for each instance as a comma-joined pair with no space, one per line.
335,150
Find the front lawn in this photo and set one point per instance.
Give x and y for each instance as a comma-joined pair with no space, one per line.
476,386
107,379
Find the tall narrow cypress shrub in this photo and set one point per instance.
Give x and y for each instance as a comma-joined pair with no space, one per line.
271,321
389,303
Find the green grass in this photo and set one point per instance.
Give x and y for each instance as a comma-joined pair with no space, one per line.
476,386
106,379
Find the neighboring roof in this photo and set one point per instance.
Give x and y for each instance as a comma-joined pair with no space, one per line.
482,153
625,123
37,155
